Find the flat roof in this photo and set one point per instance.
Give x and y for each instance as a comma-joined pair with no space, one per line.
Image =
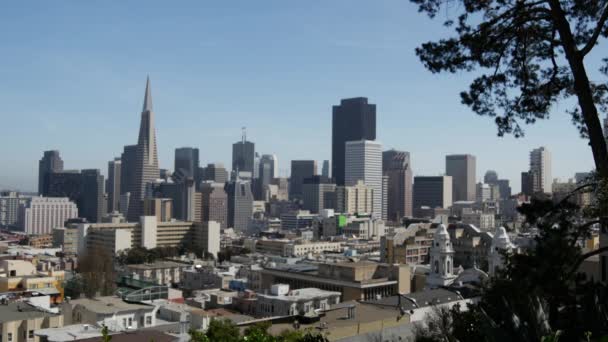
158,264
309,293
422,299
18,311
109,305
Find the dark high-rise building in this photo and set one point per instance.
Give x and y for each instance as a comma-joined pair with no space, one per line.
432,191
267,168
527,183
318,193
113,184
300,170
127,168
240,204
65,184
354,119
186,160
51,162
146,159
243,154
462,169
397,167
215,172
491,177
504,188
92,204
214,203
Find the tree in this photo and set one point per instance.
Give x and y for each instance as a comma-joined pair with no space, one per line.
197,336
223,330
74,287
96,269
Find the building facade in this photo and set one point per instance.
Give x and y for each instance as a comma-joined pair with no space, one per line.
113,184
363,162
396,165
300,170
432,191
41,214
51,162
462,168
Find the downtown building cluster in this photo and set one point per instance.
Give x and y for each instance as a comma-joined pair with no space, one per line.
353,245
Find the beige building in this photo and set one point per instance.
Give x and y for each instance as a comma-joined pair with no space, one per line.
480,220
160,272
355,199
22,276
19,320
361,280
408,246
148,233
300,249
112,311
283,302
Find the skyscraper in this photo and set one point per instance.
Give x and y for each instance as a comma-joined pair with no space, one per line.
214,203
432,191
127,168
267,169
240,204
51,162
318,193
92,206
462,169
325,169
146,159
363,162
186,160
300,170
353,120
491,177
397,167
113,184
540,167
243,154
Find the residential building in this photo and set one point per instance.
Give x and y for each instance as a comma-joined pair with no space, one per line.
41,214
300,170
364,228
110,311
21,276
145,166
352,120
51,162
301,302
479,219
408,246
160,272
20,319
363,162
433,191
471,245
540,165
396,165
462,169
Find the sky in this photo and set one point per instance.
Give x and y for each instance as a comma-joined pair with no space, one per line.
72,78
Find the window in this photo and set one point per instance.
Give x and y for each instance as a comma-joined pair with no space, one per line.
148,320
9,337
130,321
604,267
30,334
124,322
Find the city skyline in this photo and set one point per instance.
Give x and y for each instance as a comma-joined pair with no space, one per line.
408,117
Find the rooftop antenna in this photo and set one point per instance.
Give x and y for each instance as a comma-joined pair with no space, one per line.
244,129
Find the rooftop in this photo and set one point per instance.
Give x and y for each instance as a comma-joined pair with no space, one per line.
18,311
109,305
157,265
303,294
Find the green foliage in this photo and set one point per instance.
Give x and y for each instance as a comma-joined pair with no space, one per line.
141,255
74,287
223,330
105,334
198,336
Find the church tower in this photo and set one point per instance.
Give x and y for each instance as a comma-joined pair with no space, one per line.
500,242
442,259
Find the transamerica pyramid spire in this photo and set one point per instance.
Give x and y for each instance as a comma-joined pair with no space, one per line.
146,160
147,97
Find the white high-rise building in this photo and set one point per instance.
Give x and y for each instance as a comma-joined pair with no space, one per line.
41,214
363,162
540,167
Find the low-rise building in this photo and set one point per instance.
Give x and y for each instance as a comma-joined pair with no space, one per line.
471,245
283,302
19,320
160,272
355,280
111,311
22,276
479,220
408,246
303,248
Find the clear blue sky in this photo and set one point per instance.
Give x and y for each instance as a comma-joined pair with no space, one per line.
72,78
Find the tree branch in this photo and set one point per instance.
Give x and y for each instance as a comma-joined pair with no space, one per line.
596,33
586,256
